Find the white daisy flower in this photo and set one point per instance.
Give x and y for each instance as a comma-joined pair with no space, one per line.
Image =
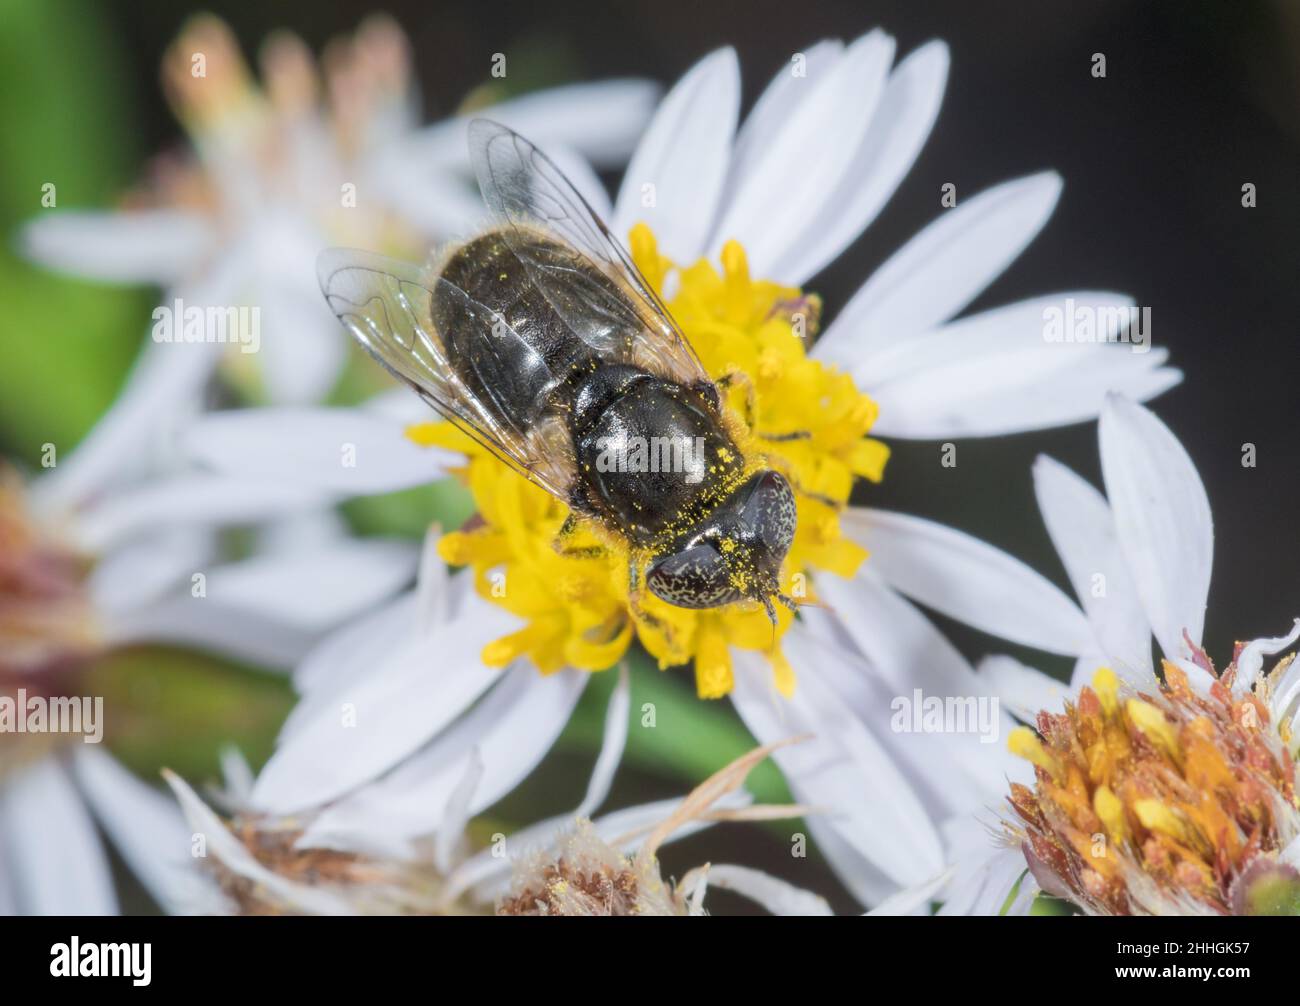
419,862
779,198
274,174
109,549
1124,837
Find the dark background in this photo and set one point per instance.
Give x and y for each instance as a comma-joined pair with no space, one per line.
1199,98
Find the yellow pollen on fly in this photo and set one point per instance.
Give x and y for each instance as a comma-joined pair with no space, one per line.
578,606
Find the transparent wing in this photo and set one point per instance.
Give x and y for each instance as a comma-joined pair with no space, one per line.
386,305
526,193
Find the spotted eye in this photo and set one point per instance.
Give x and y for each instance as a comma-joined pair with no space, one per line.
694,578
770,511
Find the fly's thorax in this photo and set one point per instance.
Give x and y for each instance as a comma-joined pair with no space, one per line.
652,455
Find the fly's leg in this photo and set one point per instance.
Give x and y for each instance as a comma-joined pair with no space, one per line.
639,613
790,477
733,377
564,536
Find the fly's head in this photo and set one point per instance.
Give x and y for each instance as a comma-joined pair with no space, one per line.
736,554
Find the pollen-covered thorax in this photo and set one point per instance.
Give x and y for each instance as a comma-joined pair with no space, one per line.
1177,802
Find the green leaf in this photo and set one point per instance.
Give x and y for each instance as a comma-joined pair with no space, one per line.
691,738
66,344
410,512
169,708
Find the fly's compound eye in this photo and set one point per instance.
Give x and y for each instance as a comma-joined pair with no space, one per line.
694,578
770,511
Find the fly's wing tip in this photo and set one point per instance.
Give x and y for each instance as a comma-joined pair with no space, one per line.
328,264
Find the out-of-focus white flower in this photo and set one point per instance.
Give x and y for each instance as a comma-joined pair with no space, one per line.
272,863
116,545
311,158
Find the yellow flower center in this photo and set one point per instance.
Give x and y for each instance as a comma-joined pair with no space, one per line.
1177,802
805,419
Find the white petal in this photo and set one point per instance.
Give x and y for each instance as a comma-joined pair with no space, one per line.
314,590
908,661
1250,661
192,622
985,884
611,746
222,846
303,348
601,120
433,584
346,652
138,246
165,384
320,527
1028,389
1025,690
773,893
909,900
1162,517
1005,333
451,831
198,500
863,878
969,580
767,206
272,608
513,728
778,103
1082,528
149,832
843,768
340,450
941,270
683,156
236,776
383,718
899,129
163,380
49,845
140,571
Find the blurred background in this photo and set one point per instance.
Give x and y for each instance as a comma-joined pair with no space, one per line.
1199,98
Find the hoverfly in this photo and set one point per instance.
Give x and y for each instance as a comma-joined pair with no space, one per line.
540,339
